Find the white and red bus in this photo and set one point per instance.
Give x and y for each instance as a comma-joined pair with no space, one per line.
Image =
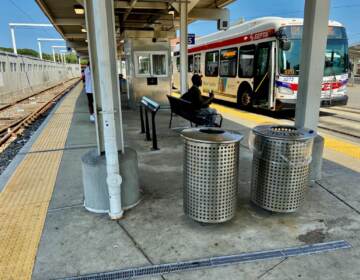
256,63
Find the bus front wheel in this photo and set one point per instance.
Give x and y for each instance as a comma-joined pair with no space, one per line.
244,99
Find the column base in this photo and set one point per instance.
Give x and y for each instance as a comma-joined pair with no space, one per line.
96,195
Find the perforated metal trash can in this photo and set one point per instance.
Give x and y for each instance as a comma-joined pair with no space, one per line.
280,169
211,159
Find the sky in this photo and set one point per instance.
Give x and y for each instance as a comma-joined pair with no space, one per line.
345,11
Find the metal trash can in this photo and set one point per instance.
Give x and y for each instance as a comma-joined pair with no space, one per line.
280,169
211,160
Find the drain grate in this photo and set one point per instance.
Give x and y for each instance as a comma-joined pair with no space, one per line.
156,270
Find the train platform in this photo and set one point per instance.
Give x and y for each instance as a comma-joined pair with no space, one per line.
47,234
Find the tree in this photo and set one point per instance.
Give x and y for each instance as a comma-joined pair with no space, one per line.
28,52
70,58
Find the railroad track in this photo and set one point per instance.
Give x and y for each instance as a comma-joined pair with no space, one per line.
343,120
17,116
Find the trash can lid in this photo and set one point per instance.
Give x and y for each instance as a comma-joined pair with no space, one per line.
284,132
211,135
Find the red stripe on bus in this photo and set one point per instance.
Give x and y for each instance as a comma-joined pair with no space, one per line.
234,41
324,87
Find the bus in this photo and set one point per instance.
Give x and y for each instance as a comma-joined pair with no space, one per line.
257,64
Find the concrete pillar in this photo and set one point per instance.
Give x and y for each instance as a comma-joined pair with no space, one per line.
183,47
54,57
12,30
89,16
312,61
40,50
100,17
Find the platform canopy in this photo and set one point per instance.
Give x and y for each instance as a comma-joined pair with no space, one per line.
137,15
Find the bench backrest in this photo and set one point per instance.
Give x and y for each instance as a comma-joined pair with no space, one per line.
181,107
186,110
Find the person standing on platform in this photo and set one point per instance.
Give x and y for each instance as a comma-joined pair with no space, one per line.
89,91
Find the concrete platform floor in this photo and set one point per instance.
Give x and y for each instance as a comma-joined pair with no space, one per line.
76,242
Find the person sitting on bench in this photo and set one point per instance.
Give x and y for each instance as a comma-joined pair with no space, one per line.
199,102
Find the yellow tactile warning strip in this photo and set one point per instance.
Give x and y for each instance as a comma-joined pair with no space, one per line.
25,198
341,146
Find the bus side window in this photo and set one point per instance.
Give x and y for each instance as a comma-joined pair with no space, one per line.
246,61
212,64
228,62
197,63
190,63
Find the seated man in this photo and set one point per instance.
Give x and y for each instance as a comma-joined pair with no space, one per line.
199,102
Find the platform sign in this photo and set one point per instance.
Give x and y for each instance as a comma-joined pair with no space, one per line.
191,39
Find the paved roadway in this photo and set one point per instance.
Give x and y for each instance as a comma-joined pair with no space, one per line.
354,95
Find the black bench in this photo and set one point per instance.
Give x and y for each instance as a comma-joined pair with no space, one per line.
185,109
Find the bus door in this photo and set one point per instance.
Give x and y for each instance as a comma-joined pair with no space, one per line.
264,73
272,101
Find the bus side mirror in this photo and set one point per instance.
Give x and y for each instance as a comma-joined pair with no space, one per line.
285,45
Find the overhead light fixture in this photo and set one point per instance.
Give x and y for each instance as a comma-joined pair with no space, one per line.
171,11
83,30
79,10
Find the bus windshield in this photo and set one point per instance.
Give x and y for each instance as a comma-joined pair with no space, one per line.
336,54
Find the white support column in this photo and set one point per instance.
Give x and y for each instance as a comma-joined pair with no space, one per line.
12,30
312,61
40,50
54,57
183,47
100,19
89,19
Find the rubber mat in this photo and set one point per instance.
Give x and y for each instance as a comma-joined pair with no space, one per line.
26,196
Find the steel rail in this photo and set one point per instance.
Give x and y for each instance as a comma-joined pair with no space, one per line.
33,95
2,130
14,128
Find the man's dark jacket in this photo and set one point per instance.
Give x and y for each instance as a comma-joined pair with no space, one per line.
194,96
